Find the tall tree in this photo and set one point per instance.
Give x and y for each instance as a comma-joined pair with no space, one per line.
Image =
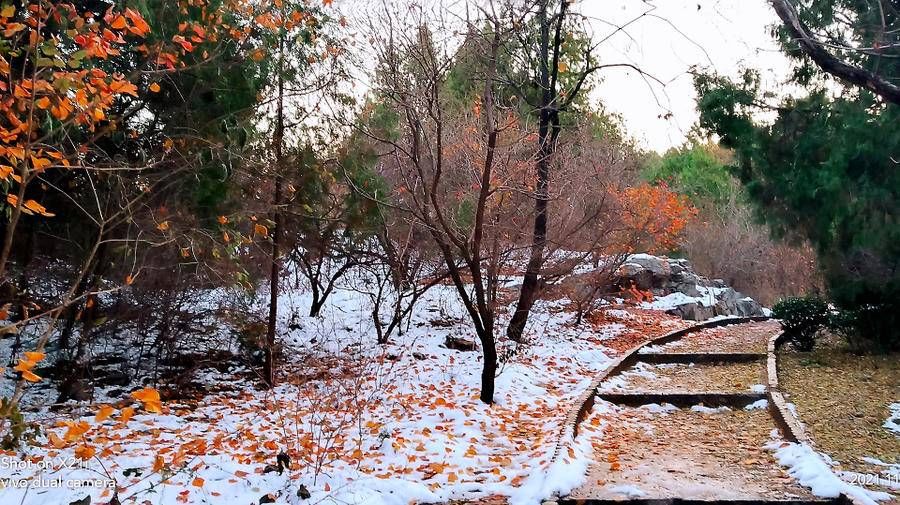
554,99
303,52
826,167
856,41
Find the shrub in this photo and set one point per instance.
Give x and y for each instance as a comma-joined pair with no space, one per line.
874,327
17,429
802,318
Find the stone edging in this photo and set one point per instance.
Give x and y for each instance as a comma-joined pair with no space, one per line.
790,426
586,401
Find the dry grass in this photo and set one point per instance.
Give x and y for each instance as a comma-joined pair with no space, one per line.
843,399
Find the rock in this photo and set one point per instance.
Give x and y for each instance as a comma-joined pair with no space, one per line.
459,343
419,356
664,276
267,498
303,493
659,268
113,378
729,295
748,307
692,311
632,274
688,288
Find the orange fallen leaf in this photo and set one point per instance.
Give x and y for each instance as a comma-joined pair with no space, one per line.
104,413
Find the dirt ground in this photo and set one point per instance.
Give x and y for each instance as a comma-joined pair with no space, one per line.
691,378
688,454
750,338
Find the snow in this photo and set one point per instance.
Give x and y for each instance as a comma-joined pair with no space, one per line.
890,475
628,491
569,469
708,410
811,470
620,382
656,408
758,404
418,432
673,300
893,421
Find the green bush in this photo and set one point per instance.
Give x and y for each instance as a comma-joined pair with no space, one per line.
872,327
802,318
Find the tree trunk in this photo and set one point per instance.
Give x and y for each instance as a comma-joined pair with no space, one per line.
274,275
489,371
548,132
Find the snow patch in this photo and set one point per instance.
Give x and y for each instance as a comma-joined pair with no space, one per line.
629,491
893,422
758,404
708,410
812,471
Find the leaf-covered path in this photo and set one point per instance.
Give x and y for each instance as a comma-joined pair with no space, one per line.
682,426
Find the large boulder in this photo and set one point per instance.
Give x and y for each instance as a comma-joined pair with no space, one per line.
644,272
692,311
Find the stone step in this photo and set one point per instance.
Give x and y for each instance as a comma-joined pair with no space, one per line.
684,501
701,357
683,400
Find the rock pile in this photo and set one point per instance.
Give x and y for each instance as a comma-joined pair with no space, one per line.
685,293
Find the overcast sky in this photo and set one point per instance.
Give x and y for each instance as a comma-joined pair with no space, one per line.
722,34
672,37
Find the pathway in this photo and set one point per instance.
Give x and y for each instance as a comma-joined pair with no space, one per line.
688,422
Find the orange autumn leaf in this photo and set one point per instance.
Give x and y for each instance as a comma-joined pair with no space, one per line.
126,414
154,407
55,441
146,395
75,430
158,463
140,27
34,356
260,230
30,376
197,482
37,208
104,413
149,397
154,87
84,452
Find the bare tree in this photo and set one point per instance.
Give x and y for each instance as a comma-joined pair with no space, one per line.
430,165
553,100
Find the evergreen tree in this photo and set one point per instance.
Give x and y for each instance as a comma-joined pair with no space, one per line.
826,168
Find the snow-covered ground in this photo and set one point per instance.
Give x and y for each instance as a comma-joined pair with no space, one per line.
813,470
362,423
893,421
